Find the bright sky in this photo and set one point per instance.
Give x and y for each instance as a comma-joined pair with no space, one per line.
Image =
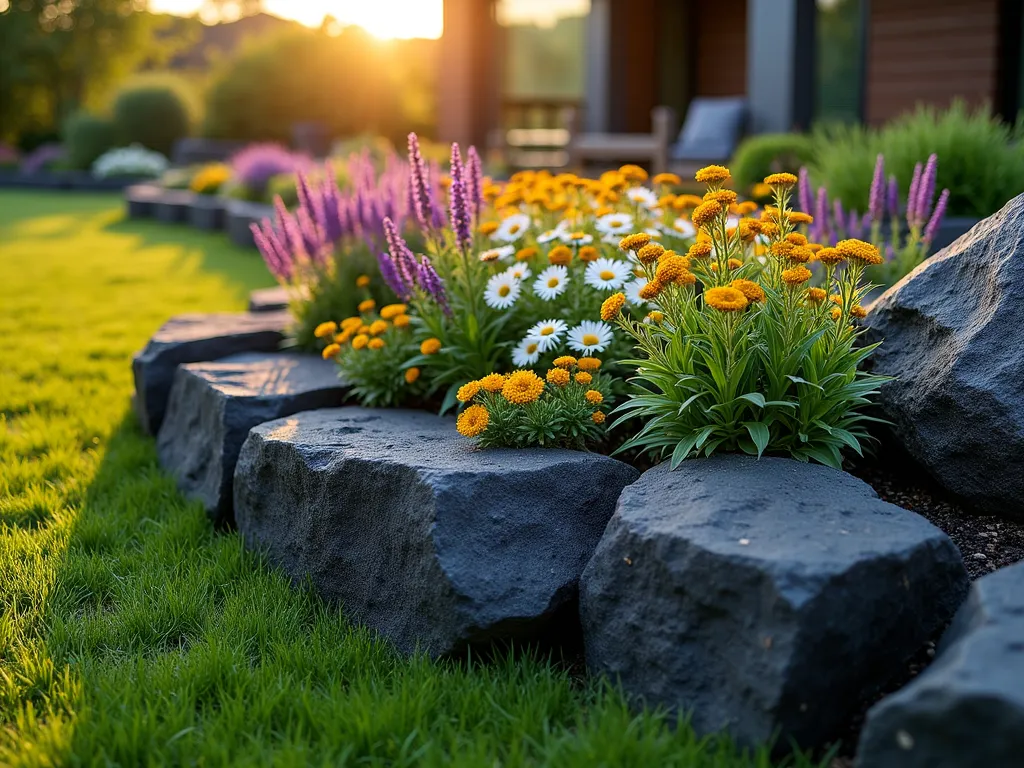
381,18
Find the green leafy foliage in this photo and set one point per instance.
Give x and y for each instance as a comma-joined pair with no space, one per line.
566,414
757,156
154,115
981,159
86,137
271,86
758,362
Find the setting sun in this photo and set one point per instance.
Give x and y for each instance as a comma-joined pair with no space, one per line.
385,19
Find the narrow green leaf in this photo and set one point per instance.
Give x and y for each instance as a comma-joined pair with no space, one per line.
759,433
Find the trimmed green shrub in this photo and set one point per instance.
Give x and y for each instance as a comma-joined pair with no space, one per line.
768,153
269,87
155,116
981,159
86,137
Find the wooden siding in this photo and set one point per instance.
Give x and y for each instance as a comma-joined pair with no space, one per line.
720,39
930,51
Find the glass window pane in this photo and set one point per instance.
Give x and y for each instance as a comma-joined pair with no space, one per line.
839,66
545,51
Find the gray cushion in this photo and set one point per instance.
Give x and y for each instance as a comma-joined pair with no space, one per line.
712,129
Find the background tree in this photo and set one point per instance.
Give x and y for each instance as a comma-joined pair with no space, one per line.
55,55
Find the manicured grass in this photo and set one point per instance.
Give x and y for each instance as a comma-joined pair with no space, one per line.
132,634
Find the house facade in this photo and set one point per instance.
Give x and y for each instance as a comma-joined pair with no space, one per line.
795,61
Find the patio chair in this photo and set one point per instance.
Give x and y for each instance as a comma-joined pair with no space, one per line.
646,148
711,133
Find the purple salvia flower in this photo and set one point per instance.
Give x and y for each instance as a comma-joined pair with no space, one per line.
474,181
915,183
821,228
457,201
389,273
876,199
311,241
936,220
437,216
838,215
893,195
804,190
422,197
432,283
926,192
405,261
853,225
274,251
890,252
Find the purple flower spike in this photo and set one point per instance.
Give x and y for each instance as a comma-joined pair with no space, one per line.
422,196
936,220
821,227
474,181
839,215
853,225
437,216
876,200
389,272
926,192
915,184
274,251
804,190
432,283
457,202
404,260
893,194
890,252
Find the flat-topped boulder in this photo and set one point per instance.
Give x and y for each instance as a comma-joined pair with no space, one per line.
212,407
172,205
206,212
195,338
967,708
953,338
269,299
763,596
239,215
140,200
418,534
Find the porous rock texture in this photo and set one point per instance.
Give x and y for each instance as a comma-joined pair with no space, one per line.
195,338
952,335
967,708
764,596
420,535
213,406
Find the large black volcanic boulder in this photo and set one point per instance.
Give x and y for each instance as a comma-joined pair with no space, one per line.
764,596
953,336
967,708
419,535
213,406
196,338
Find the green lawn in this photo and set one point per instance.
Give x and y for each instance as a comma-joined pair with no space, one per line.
132,634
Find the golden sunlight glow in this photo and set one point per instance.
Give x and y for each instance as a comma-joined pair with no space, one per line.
385,19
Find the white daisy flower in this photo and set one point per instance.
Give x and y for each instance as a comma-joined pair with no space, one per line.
512,228
683,228
547,333
519,271
577,239
611,239
643,197
632,290
589,337
551,282
494,254
655,233
527,352
607,274
732,221
551,234
616,224
502,291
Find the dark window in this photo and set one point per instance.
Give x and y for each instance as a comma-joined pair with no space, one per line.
839,48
